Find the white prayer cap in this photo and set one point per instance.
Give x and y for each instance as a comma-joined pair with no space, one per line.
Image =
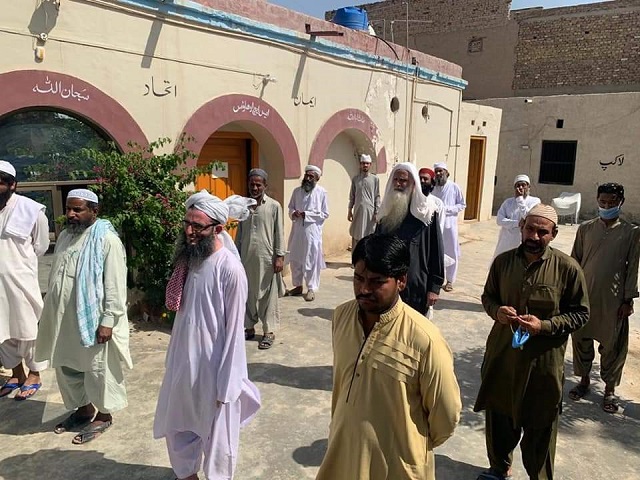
83,194
521,178
441,165
314,169
365,158
235,206
7,168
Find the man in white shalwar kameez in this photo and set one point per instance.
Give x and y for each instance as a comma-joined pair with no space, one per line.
308,209
511,212
24,236
451,195
364,202
84,329
206,394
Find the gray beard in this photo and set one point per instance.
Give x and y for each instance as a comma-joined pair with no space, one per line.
440,181
396,210
193,253
308,186
76,228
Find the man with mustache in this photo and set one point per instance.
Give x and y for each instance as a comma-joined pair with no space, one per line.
412,216
395,394
260,241
451,195
206,394
364,202
84,330
608,249
24,236
536,296
308,210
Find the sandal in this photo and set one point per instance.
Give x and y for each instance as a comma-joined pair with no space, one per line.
267,341
493,475
448,287
579,391
91,432
249,333
25,388
73,422
610,403
10,387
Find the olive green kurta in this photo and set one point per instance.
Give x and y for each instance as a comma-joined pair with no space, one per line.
260,239
526,384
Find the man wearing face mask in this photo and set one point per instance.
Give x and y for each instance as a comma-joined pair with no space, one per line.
308,209
608,250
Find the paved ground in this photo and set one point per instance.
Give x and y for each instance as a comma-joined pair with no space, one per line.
289,436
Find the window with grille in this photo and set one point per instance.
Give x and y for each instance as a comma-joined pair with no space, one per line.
558,162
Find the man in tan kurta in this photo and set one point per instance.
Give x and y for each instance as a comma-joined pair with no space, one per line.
608,250
260,241
24,236
395,395
541,291
88,358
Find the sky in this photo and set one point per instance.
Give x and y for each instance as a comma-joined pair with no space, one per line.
318,7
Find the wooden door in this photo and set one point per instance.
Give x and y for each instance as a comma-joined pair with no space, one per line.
475,176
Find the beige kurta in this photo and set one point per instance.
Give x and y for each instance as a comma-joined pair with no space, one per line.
395,397
364,199
59,334
609,258
260,239
20,298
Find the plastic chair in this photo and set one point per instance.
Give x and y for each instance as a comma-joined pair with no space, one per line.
568,204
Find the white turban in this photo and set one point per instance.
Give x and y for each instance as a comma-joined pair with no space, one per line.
83,194
422,207
313,168
235,206
521,178
7,168
441,165
365,158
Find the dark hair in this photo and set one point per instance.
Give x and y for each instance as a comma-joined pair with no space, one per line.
612,188
383,253
91,205
8,178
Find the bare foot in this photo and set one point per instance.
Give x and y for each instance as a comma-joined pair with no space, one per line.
32,379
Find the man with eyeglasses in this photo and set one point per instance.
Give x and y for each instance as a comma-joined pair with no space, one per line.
536,296
206,394
513,210
608,250
24,236
308,210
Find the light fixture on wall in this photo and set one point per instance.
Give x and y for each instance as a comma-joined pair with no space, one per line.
524,147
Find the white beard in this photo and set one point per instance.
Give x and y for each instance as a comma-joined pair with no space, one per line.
396,209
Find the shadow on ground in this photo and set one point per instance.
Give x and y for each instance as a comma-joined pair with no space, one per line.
346,278
25,417
326,313
338,265
446,304
449,468
312,455
58,464
308,378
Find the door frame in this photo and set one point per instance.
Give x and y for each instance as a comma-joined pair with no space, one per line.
483,141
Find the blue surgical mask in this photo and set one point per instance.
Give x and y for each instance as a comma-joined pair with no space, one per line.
609,213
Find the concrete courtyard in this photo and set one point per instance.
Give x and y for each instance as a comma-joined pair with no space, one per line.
287,439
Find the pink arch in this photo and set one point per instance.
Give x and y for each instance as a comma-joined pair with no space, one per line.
232,108
349,119
40,88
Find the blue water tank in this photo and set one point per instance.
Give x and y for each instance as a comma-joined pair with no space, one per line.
352,17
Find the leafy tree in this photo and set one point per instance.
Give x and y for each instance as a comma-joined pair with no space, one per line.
142,194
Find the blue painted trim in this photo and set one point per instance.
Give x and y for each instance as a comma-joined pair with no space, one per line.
194,12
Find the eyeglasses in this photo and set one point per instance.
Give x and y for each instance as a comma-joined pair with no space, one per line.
196,227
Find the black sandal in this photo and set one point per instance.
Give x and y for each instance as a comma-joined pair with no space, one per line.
267,341
72,422
249,333
91,432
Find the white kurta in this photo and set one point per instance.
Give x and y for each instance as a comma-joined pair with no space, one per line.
305,240
206,363
20,298
454,203
510,213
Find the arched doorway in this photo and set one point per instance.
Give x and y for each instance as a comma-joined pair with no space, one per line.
48,148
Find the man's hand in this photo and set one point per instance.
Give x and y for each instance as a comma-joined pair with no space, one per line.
625,311
530,323
432,298
519,191
278,264
295,214
104,334
507,315
350,216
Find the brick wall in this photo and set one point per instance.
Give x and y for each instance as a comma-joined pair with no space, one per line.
578,47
